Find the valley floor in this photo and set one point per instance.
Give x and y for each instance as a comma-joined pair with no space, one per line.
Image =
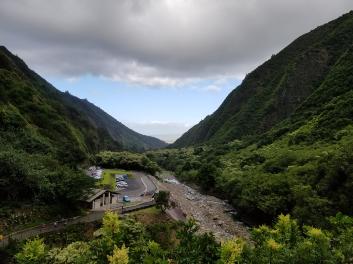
212,214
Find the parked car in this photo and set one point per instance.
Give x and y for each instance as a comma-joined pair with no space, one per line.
122,184
126,198
119,178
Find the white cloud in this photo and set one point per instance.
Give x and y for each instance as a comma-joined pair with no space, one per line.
72,79
213,88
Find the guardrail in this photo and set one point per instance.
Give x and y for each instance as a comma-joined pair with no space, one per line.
138,207
59,225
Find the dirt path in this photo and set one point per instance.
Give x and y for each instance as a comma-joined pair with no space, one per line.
212,214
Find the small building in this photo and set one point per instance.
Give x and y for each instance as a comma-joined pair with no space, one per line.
99,199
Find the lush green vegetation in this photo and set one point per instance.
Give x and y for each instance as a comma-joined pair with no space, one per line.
280,144
282,141
128,241
302,167
316,65
37,177
288,242
310,181
31,182
162,200
200,165
108,178
45,135
58,119
126,160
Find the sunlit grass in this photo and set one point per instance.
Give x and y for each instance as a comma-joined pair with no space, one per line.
108,178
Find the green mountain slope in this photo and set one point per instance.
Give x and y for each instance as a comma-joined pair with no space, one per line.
54,119
283,85
45,137
288,131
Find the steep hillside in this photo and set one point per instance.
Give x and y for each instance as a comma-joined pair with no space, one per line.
289,133
128,138
29,103
45,136
280,87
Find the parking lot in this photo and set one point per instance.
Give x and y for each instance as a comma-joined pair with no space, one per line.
136,185
139,186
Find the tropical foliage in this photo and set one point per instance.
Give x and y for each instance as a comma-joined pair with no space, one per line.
162,200
126,241
126,160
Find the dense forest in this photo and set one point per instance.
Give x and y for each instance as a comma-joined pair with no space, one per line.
127,160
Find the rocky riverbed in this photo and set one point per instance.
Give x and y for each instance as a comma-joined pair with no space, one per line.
212,214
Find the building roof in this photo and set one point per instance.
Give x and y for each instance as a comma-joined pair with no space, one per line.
93,194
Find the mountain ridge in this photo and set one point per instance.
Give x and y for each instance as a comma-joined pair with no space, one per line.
34,100
275,89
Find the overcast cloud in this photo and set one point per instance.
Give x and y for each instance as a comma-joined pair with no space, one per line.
157,42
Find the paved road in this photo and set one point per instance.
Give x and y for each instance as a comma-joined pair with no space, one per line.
51,227
141,187
140,184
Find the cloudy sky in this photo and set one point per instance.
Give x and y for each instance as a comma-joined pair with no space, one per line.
159,66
